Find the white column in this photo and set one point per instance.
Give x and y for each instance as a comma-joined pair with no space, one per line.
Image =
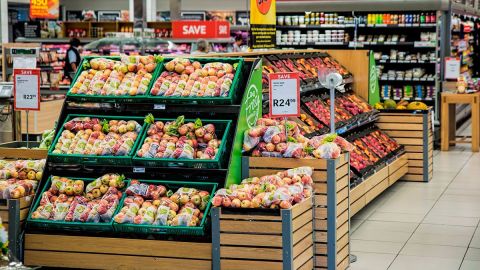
130,10
151,10
4,20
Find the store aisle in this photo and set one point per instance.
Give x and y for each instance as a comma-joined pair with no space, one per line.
424,225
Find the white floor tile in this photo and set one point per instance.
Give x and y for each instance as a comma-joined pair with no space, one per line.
384,231
433,234
470,265
372,261
449,220
375,246
473,254
422,250
403,262
398,217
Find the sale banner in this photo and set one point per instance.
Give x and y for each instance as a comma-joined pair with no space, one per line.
44,9
26,89
263,23
284,90
200,29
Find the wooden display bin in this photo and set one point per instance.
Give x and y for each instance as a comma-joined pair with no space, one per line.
263,238
413,129
14,150
87,252
331,214
14,212
370,188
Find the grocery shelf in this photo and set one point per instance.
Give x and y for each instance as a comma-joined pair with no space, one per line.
314,44
406,62
408,80
53,40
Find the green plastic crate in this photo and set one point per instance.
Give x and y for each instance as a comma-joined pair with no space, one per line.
91,159
69,226
171,230
220,126
111,99
233,93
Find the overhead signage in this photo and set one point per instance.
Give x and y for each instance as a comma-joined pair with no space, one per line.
284,94
200,29
263,23
44,9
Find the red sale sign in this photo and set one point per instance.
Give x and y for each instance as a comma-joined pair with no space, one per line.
200,29
26,89
284,90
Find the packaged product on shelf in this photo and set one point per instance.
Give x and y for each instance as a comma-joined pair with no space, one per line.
93,136
281,190
67,200
19,178
386,90
407,92
128,76
272,138
151,204
178,139
184,78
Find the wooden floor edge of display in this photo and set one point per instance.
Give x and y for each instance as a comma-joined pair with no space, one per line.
331,213
88,252
413,129
373,186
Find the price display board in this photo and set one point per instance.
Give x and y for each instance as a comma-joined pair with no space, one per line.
284,94
26,91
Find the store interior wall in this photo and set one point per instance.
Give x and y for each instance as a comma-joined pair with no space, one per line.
96,4
163,5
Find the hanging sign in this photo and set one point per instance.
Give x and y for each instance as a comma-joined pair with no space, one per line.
26,89
44,9
284,90
263,23
452,67
200,29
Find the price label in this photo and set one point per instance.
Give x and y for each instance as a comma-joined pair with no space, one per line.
139,169
284,94
26,90
159,106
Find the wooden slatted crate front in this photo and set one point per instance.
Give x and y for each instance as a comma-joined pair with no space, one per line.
413,129
88,252
249,239
14,212
331,184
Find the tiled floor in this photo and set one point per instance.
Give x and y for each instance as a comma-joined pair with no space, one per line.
424,225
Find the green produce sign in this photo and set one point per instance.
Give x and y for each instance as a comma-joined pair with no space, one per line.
373,87
250,111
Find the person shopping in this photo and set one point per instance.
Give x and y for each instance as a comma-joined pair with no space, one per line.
73,58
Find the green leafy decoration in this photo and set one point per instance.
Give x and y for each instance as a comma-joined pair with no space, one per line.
198,123
149,119
169,193
308,149
105,126
330,138
159,59
291,139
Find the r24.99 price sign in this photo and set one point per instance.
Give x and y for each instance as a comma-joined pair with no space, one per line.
284,94
26,91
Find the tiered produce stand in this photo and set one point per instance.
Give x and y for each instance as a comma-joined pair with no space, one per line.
115,245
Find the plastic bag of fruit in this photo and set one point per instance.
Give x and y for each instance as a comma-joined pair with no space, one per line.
147,215
184,152
43,212
78,200
20,189
164,216
327,150
93,216
186,217
81,212
294,150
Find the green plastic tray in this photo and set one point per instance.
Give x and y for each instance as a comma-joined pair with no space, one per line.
203,100
176,230
70,226
110,98
91,159
220,126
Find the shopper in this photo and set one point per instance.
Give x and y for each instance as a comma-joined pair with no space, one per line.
73,58
238,43
202,47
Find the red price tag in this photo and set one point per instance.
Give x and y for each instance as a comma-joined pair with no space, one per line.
26,89
284,89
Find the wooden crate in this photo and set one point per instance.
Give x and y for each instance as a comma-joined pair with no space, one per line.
331,212
88,252
14,212
374,185
256,239
14,150
413,129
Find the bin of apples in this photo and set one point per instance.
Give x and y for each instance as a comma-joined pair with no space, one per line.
150,204
184,78
70,200
283,139
179,140
130,76
281,190
19,178
92,136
